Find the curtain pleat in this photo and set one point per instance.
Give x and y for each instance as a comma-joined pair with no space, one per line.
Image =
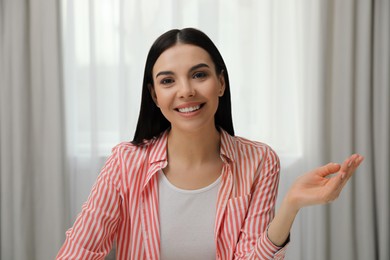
33,181
347,96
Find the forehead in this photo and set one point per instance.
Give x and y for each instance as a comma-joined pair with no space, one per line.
182,56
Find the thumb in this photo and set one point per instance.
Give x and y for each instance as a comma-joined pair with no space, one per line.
328,169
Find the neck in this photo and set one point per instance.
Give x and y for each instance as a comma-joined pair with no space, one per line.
195,147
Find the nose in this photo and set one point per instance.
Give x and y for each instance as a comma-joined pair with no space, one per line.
186,89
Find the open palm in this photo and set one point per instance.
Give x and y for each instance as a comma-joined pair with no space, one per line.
319,186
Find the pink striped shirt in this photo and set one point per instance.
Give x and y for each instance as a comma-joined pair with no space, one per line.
123,204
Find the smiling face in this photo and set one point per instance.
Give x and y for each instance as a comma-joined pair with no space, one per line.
187,88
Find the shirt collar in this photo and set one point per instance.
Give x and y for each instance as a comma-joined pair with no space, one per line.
158,152
158,146
227,146
157,156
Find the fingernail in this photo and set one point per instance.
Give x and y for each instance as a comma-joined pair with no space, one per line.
349,163
357,160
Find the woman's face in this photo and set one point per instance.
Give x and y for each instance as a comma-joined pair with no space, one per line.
187,88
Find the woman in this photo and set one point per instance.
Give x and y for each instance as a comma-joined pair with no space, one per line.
186,187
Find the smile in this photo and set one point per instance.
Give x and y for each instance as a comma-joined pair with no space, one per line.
188,109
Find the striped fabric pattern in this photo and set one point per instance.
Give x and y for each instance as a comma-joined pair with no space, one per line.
123,204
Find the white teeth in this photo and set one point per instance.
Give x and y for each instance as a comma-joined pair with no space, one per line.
188,109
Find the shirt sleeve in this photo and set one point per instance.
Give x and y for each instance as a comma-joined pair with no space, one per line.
253,241
93,232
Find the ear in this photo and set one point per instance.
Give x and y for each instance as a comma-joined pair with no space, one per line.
222,84
153,93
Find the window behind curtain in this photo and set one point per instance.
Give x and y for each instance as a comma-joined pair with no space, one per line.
105,43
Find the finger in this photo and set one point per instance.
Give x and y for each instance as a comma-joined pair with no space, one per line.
337,183
342,183
348,162
350,165
327,169
333,189
351,169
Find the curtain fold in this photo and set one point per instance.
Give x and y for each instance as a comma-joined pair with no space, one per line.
32,179
348,112
357,85
380,121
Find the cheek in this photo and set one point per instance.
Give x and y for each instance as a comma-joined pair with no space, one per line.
214,92
163,98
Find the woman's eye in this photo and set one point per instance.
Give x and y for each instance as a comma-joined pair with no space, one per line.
199,75
166,81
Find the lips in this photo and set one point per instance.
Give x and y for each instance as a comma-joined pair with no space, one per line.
189,108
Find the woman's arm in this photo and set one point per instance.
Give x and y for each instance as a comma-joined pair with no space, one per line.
315,187
253,242
92,234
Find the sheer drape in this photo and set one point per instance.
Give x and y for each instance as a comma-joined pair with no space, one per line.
32,174
347,104
357,97
310,78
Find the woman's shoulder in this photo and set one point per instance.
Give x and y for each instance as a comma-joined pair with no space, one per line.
249,154
125,149
252,143
129,150
127,161
129,147
265,151
248,144
242,150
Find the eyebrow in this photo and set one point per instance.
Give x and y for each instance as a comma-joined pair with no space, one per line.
200,65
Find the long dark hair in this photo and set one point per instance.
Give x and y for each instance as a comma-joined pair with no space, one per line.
151,122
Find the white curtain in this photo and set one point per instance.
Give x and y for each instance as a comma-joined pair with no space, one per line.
347,105
355,95
32,177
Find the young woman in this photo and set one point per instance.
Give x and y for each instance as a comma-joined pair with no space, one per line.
186,187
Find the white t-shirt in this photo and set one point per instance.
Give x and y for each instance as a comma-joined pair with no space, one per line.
187,220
